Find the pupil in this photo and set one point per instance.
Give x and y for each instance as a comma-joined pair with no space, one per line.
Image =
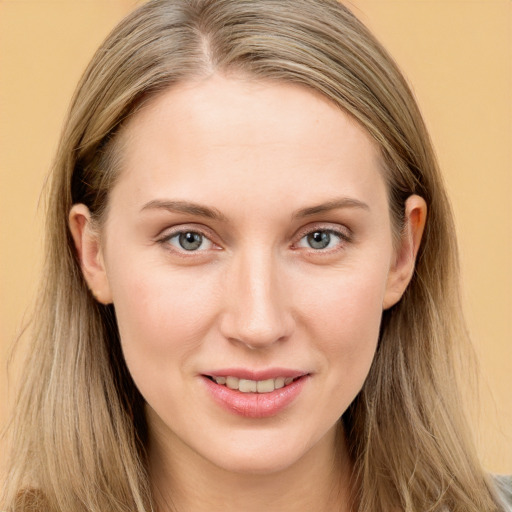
319,239
190,241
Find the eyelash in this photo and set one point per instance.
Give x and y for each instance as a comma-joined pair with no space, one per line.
167,238
344,237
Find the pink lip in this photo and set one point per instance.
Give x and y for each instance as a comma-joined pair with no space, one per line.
243,373
255,405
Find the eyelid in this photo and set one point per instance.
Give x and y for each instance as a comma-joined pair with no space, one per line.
165,235
343,232
338,229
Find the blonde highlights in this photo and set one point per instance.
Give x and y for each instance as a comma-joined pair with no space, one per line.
78,433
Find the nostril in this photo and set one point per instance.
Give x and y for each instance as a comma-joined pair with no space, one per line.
257,342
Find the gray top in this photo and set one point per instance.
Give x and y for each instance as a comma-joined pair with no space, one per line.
504,485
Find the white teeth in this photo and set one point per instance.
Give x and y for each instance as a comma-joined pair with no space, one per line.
232,382
279,383
265,386
253,386
247,386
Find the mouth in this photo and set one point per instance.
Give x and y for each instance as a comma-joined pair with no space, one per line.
253,386
255,394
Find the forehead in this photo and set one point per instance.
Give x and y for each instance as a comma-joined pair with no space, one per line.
248,136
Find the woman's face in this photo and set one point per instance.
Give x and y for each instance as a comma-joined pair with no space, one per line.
247,244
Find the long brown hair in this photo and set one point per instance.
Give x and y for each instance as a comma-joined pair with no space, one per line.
78,434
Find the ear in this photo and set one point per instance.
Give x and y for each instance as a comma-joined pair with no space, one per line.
88,248
402,268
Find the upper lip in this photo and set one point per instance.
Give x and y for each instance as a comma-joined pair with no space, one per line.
264,374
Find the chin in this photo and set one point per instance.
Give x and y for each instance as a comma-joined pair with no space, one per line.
269,455
258,463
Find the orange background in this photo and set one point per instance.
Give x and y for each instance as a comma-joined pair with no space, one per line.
456,53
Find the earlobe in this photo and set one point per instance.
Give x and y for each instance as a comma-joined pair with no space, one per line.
402,269
88,248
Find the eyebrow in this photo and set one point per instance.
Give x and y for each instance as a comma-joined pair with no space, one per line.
342,202
185,207
215,214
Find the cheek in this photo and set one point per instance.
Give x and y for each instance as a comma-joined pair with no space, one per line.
348,301
162,300
162,318
343,319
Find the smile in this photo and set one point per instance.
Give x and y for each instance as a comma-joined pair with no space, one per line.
262,396
253,386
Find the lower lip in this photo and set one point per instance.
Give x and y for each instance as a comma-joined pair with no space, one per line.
255,405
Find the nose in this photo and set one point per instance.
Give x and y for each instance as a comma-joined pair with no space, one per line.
258,312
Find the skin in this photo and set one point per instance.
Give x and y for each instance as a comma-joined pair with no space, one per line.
255,294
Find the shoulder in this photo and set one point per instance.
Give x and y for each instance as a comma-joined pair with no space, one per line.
504,486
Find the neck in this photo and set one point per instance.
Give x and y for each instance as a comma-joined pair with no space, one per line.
184,481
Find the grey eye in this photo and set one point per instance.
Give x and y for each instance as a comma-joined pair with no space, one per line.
190,241
319,239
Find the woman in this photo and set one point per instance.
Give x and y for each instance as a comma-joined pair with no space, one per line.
250,298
